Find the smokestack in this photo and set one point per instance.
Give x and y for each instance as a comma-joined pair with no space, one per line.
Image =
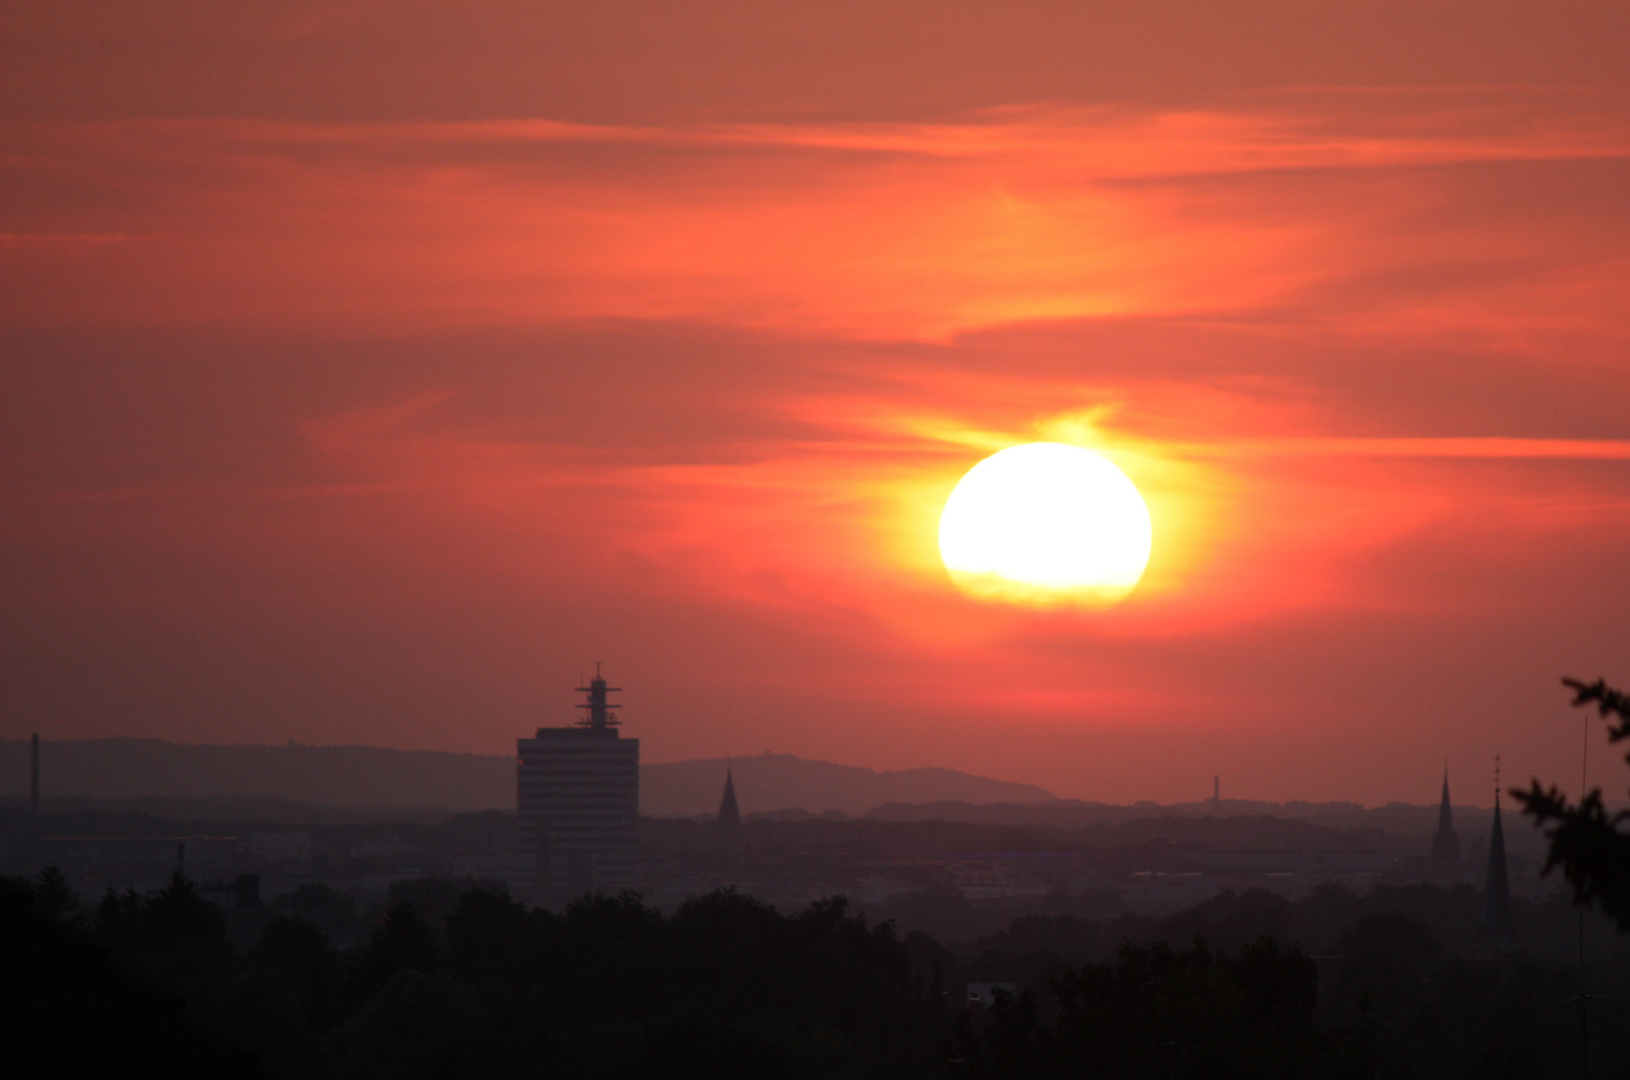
34,778
1216,794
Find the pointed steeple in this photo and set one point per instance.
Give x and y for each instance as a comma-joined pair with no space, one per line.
729,813
1495,931
1445,844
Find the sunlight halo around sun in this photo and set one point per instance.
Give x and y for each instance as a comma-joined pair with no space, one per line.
1045,523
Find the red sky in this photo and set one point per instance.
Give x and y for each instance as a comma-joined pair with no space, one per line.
371,369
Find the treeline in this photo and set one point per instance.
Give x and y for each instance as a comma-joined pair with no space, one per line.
723,987
1390,1002
1546,928
451,982
1390,983
1160,1012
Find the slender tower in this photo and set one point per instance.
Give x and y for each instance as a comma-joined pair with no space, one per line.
1495,931
1445,844
729,812
34,776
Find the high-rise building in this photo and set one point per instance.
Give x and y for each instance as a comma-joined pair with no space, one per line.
577,803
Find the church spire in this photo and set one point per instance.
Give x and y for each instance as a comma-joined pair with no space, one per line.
729,813
1445,844
1495,932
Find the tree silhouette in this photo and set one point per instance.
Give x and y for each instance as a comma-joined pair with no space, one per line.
1589,845
259,1015
418,1026
332,911
1156,1012
54,895
178,916
727,986
69,1009
306,962
403,942
118,918
174,941
492,939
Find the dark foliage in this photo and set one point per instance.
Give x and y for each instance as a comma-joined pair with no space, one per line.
68,1010
610,989
1035,948
305,962
1591,846
175,941
1402,1007
419,1025
331,911
1156,1012
1397,996
54,896
493,940
726,986
403,941
259,1015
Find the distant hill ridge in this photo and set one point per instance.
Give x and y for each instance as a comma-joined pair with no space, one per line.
377,777
766,782
354,776
1403,819
372,780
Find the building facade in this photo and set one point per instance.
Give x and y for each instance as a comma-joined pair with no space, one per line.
577,802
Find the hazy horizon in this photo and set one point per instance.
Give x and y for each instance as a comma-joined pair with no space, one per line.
705,780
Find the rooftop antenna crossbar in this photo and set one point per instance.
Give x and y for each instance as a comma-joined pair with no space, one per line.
601,711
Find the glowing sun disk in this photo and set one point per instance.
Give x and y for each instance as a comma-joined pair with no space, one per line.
1045,518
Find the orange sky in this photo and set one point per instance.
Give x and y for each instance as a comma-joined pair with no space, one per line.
370,369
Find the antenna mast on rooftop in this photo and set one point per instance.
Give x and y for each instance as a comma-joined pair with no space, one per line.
600,710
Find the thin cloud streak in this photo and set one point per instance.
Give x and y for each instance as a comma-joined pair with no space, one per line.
873,231
1100,142
1490,447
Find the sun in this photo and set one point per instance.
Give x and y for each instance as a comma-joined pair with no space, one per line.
1046,523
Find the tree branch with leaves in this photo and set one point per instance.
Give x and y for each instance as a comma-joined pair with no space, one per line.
1591,846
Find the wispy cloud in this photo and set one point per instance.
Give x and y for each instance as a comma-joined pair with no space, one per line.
1489,447
882,231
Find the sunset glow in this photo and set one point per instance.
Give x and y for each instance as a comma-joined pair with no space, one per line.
366,370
